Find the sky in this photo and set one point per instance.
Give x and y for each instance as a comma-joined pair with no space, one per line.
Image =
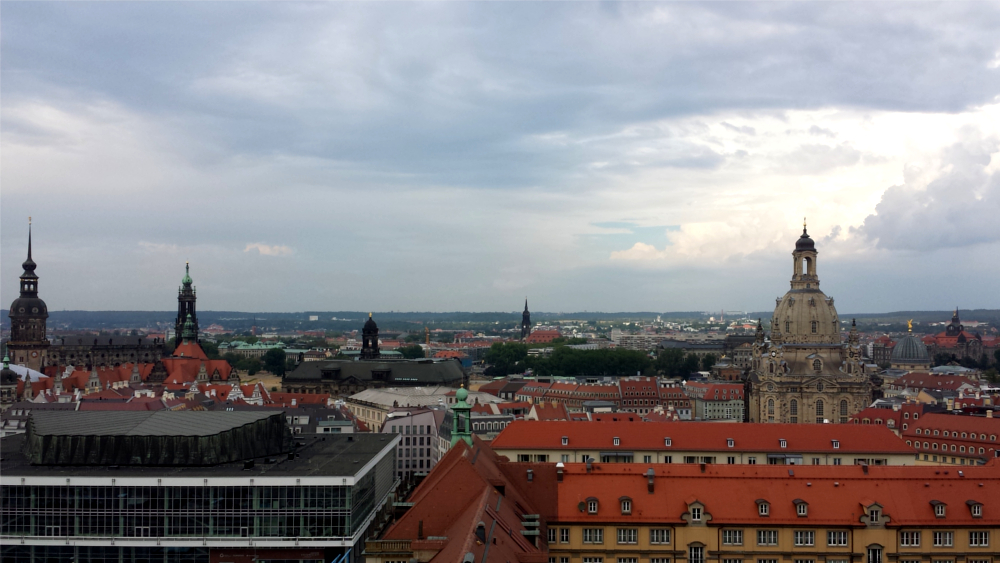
457,156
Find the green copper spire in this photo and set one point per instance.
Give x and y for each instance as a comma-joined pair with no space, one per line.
189,332
461,421
187,274
6,362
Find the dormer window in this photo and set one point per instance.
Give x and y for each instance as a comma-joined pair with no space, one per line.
874,515
617,441
801,507
836,444
975,508
626,505
730,442
763,508
565,440
940,508
696,514
667,442
592,506
783,443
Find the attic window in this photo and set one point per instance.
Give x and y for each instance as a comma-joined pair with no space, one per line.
730,442
975,508
617,441
783,443
836,444
874,515
626,506
940,508
592,506
667,442
565,440
802,509
763,508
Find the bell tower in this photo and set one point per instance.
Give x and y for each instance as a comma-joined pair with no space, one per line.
186,298
28,313
525,321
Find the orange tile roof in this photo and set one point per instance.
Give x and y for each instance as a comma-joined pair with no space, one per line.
700,436
836,495
190,350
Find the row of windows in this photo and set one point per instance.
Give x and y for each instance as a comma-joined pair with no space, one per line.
944,447
953,434
188,525
166,499
801,538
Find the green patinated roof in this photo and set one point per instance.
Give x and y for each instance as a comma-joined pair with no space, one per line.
186,280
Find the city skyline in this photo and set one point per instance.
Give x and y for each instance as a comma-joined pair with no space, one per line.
456,157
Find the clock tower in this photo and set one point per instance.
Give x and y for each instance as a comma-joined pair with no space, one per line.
27,343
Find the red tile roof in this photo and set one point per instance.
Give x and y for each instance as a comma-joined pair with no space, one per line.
700,436
836,495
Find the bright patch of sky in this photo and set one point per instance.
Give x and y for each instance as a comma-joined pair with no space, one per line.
459,156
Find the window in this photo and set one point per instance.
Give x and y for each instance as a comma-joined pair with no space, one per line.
593,535
979,539
732,537
552,535
731,460
763,508
617,441
817,365
696,554
836,444
666,442
592,506
909,539
939,510
659,535
814,328
565,440
563,535
593,560
696,514
793,407
732,561
874,555
944,539
783,443
767,537
668,459
626,506
805,537
659,560
874,516
819,410
752,460
647,459
564,458
628,535
836,538
802,509
767,561
730,442
805,561
628,560
977,510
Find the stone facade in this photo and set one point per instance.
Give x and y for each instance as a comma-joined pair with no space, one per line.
805,373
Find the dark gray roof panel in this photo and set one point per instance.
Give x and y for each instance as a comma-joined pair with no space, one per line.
157,423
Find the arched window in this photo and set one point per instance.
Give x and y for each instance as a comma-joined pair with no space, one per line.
819,410
794,407
770,406
770,367
817,365
814,327
788,326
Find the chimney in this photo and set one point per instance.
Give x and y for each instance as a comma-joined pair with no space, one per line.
650,474
590,464
559,471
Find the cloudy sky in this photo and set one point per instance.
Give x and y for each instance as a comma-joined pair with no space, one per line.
460,156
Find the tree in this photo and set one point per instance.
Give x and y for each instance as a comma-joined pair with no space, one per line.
249,365
211,350
992,376
232,358
411,352
707,362
274,361
690,365
669,361
504,357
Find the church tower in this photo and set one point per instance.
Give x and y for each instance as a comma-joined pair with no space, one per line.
461,421
525,321
27,315
805,372
186,297
369,340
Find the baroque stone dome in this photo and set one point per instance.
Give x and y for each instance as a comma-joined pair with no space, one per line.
910,350
805,314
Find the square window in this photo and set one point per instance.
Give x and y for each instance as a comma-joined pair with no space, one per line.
805,538
659,535
909,539
944,539
979,539
767,537
836,538
732,537
628,535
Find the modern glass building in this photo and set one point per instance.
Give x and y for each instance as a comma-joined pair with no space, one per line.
314,502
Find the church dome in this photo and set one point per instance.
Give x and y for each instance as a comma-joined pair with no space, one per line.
28,308
806,315
805,242
370,325
910,350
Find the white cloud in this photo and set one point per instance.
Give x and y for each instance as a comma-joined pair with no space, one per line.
269,249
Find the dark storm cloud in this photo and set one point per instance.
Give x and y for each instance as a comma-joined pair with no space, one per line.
452,93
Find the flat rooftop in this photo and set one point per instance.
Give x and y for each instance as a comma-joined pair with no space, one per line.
331,455
132,423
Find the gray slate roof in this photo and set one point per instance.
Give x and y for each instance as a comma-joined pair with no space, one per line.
130,423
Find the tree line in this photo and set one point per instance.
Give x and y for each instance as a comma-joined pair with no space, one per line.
512,357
